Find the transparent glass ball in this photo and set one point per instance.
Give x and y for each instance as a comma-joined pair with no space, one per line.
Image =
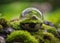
29,12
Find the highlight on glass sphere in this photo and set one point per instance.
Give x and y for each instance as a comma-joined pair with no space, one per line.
29,12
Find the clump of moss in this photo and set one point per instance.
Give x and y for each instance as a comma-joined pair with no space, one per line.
21,35
48,27
45,37
38,35
3,22
1,27
53,31
50,37
15,25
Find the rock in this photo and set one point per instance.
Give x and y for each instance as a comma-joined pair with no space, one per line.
8,30
2,40
49,24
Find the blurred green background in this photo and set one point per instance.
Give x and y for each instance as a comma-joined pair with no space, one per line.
10,9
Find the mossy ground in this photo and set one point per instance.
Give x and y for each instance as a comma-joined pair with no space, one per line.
40,36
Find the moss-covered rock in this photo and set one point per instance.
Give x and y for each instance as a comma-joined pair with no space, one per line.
23,36
31,24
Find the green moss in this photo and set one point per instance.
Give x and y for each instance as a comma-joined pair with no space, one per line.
45,37
38,35
48,27
28,20
15,25
3,22
50,37
22,35
1,27
53,31
46,41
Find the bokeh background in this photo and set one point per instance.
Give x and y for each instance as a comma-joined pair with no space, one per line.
10,9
